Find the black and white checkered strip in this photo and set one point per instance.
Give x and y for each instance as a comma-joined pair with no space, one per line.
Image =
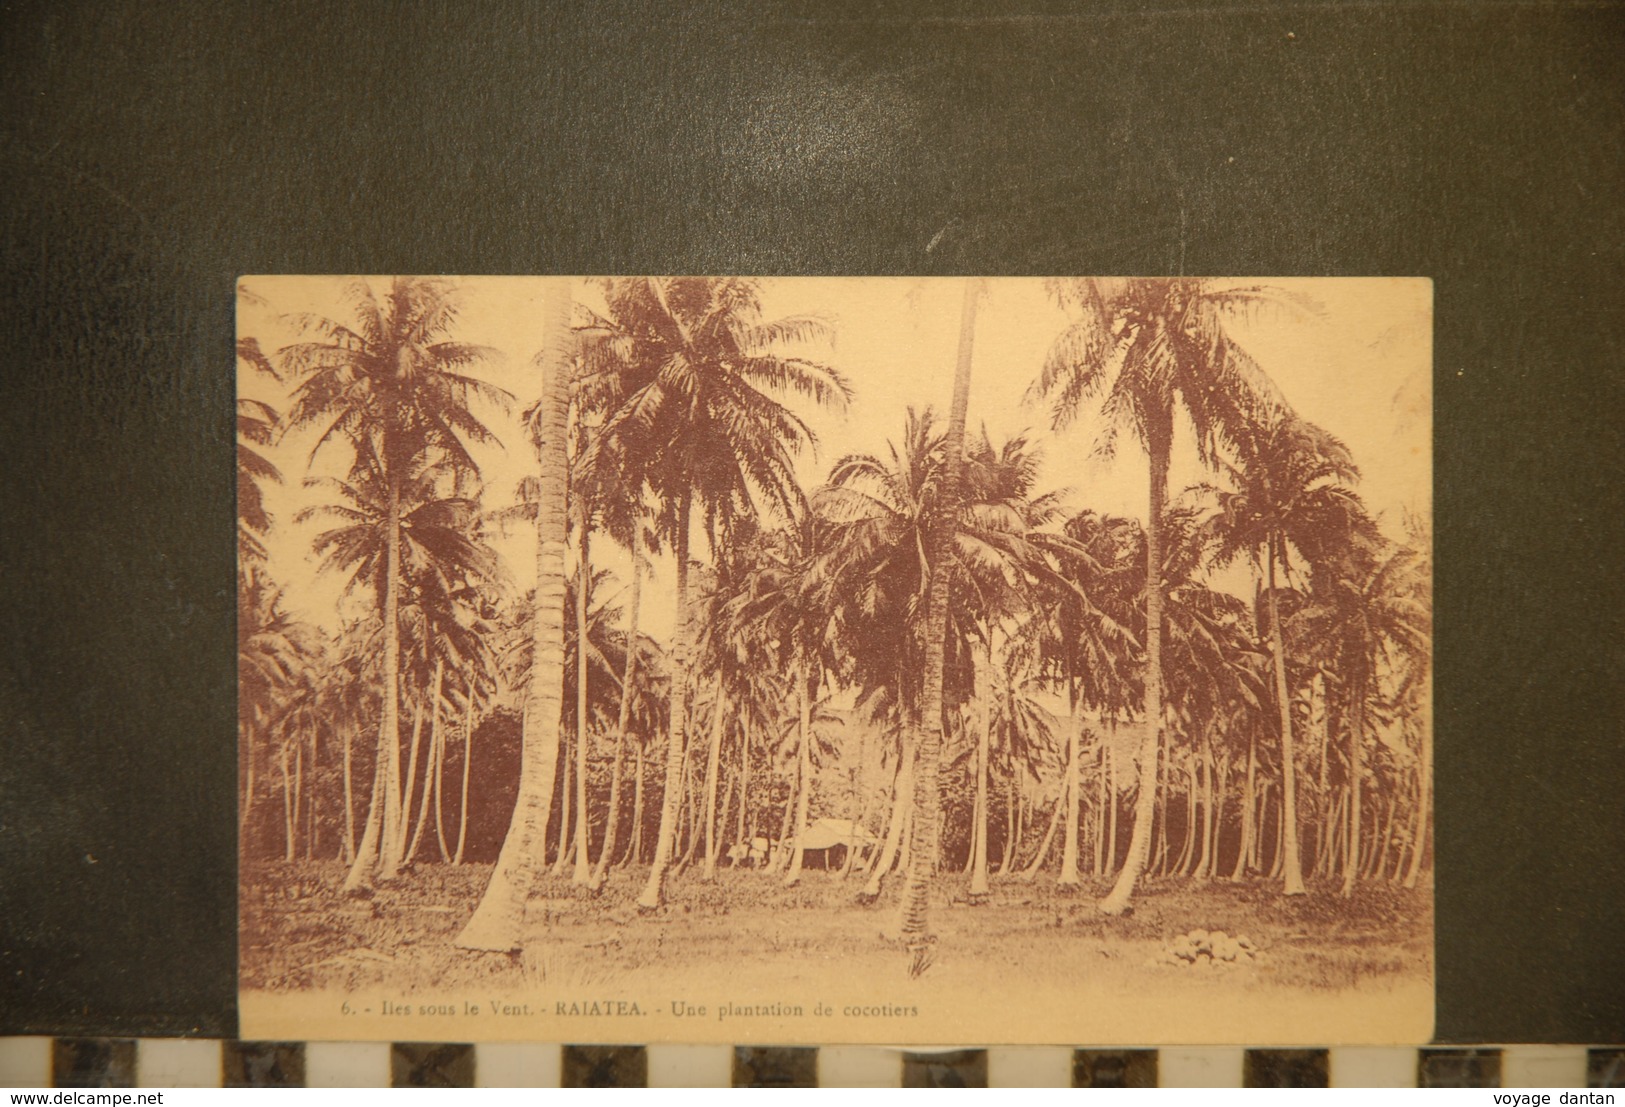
110,1062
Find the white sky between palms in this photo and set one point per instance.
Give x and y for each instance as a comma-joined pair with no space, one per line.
1362,370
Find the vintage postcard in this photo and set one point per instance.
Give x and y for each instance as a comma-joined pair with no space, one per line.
813,660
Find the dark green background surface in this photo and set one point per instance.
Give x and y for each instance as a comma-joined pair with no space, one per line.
152,153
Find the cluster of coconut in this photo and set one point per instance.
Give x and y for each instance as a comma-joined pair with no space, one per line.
1204,949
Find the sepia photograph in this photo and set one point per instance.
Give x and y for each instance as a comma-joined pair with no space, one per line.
800,660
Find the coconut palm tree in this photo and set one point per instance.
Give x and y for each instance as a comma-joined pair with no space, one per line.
1003,556
421,525
1292,489
393,385
1087,630
1152,347
692,371
1214,668
276,657
928,723
1369,603
879,515
497,923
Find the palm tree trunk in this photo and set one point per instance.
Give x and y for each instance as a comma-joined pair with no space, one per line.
689,814
612,824
1351,865
781,853
440,798
1100,811
1323,863
928,796
1385,840
566,827
859,809
1071,790
372,829
1204,867
287,804
389,726
654,892
498,921
730,793
1292,866
583,867
713,763
349,797
747,826
1246,847
978,874
1112,799
804,793
409,787
428,764
1276,853
468,758
1187,846
1145,803
1424,800
247,757
902,800
1012,804
634,851
313,797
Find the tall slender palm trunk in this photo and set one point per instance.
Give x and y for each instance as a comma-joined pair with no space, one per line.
349,796
1111,798
1351,863
440,798
978,872
385,846
1044,844
1204,866
246,810
902,803
566,827
1244,852
713,763
372,829
612,824
746,826
634,852
928,794
1292,867
1424,805
1100,810
498,921
780,852
1145,803
409,785
1071,790
804,772
429,762
654,892
468,761
583,867
289,801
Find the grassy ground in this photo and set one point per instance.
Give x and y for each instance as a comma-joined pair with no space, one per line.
299,933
